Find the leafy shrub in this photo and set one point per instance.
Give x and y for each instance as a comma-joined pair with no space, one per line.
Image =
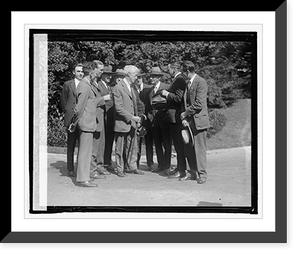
57,135
217,122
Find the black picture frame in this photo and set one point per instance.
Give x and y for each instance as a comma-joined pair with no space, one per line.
278,236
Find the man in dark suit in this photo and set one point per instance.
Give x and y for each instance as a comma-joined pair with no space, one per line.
145,97
126,119
196,116
138,87
174,97
68,101
97,161
157,126
86,116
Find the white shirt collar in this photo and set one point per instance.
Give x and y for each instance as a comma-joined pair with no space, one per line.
104,83
192,79
128,85
76,82
177,74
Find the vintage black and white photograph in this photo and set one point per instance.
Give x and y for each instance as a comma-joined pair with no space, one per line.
143,127
143,121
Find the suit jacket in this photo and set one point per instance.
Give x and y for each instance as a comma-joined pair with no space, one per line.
108,108
175,99
85,112
146,96
68,100
125,107
195,100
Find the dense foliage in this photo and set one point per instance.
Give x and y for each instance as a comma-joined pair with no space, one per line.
225,65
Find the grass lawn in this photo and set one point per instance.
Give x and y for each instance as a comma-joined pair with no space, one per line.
236,133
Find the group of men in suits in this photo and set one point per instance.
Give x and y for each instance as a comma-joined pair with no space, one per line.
102,114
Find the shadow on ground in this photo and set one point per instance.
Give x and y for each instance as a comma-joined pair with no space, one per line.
209,204
62,167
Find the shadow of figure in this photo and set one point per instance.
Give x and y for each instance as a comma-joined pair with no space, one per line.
62,167
209,204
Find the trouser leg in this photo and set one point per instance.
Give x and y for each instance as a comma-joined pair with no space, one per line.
72,138
84,156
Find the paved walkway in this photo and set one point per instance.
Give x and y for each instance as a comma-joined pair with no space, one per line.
228,184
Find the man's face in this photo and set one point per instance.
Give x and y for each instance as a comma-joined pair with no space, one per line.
154,79
133,77
94,75
171,70
106,78
139,80
100,69
78,72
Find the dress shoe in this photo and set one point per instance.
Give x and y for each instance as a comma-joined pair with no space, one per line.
186,177
121,174
137,171
158,169
96,175
87,184
102,170
150,168
71,173
175,175
170,171
201,180
109,168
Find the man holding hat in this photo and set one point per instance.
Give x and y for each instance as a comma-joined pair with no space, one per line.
157,124
174,97
196,116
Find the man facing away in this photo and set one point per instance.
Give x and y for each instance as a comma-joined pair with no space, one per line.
174,97
126,119
68,102
196,116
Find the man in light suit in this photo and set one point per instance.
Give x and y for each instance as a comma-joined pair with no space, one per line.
126,119
85,115
196,116
68,102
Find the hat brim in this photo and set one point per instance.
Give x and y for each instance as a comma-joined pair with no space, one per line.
187,135
158,102
156,74
108,72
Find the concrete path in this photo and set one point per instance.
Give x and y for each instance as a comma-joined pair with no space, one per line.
228,184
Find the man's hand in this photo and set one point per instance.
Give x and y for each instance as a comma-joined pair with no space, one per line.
164,93
107,97
185,123
183,116
136,119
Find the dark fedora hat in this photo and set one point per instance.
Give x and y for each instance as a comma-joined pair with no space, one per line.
187,135
155,71
108,70
158,102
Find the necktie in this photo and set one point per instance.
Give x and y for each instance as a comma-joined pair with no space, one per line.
189,84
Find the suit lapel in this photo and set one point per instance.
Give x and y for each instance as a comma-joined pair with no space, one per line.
103,87
126,89
73,88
